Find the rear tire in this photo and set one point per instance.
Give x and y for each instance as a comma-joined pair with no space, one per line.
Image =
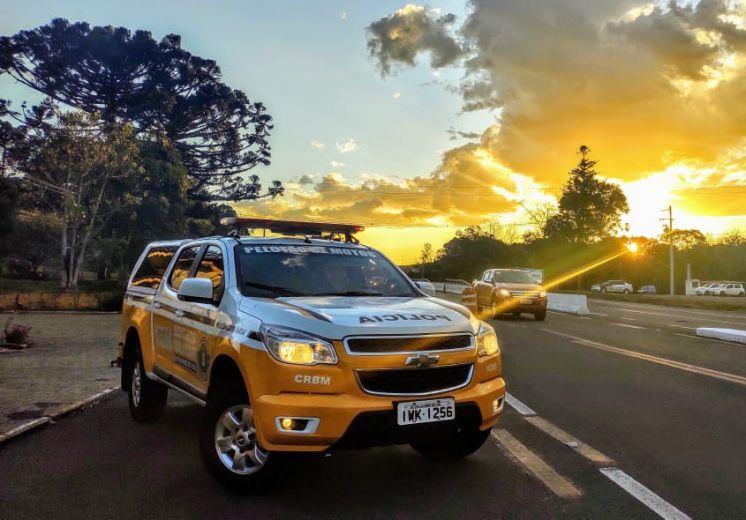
540,316
625,291
147,398
461,445
229,445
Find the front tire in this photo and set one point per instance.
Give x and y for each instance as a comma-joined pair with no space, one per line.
625,291
147,398
229,445
461,445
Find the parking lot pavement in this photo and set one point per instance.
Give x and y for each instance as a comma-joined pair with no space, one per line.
99,463
69,362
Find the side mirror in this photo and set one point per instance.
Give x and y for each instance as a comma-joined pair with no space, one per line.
426,287
197,290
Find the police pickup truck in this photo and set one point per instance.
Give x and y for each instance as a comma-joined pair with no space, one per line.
303,342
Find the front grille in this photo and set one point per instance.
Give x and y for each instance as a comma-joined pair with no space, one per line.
394,344
413,381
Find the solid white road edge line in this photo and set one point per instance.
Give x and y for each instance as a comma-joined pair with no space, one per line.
643,494
518,406
723,376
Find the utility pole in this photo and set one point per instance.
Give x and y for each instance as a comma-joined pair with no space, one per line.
670,250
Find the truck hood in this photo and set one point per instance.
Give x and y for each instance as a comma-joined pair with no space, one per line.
519,286
335,317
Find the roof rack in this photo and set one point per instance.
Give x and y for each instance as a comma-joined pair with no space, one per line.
295,227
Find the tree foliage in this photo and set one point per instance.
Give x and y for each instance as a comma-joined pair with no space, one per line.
156,86
589,209
73,164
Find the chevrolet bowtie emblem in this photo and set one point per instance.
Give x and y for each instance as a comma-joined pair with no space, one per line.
422,360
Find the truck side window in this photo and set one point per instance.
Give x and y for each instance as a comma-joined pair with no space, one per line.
211,267
182,266
153,267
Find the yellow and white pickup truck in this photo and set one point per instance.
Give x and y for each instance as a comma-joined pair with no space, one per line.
303,343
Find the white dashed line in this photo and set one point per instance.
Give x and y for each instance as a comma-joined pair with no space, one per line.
518,406
644,495
558,484
568,440
628,326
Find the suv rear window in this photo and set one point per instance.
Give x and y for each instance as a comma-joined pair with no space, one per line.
153,267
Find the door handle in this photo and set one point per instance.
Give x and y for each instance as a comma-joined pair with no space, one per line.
179,313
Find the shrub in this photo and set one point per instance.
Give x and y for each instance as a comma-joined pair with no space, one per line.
16,333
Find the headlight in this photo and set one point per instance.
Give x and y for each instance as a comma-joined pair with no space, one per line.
504,293
297,348
542,294
487,341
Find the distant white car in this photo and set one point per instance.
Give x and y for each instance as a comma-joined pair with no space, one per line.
704,289
617,286
425,286
729,289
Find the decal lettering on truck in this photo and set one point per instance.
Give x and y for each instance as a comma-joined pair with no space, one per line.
381,318
313,380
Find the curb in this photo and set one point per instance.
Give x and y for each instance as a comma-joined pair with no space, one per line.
47,419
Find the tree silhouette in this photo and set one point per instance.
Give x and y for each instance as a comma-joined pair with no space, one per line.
589,209
157,87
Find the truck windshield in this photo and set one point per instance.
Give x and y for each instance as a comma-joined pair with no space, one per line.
270,271
513,277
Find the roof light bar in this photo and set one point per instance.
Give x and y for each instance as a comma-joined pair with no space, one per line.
293,227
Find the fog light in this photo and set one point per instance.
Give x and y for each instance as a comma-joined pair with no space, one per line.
497,405
297,424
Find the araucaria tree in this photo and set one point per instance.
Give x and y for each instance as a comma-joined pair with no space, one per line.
589,209
160,89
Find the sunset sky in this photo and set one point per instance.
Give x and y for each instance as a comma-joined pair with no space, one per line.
420,119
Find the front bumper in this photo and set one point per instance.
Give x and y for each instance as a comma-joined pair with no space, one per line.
332,394
336,413
518,304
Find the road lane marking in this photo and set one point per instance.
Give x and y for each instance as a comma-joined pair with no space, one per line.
598,314
716,374
568,440
628,326
643,494
628,319
518,405
668,315
558,484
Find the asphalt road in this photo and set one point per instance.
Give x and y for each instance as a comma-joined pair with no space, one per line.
629,383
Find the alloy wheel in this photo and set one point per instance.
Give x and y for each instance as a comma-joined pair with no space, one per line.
236,443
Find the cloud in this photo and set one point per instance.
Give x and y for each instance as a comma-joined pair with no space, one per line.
645,85
335,164
305,179
347,146
412,30
468,188
315,143
343,15
396,95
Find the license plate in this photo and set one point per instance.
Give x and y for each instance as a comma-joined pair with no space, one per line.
432,410
527,301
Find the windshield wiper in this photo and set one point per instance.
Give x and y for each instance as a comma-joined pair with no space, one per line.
350,293
282,291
